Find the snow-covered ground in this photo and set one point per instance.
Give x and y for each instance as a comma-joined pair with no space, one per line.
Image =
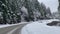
41,28
7,25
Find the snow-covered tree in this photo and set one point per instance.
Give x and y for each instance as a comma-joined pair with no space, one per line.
59,6
48,13
3,10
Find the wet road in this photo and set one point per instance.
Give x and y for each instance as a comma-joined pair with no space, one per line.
16,29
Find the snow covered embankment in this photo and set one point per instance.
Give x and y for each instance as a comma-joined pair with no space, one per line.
7,25
41,28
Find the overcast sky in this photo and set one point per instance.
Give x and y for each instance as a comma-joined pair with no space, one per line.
53,4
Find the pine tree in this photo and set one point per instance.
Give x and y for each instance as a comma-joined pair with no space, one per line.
48,13
29,6
4,10
59,7
43,10
13,10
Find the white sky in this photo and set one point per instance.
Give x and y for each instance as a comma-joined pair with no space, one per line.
53,4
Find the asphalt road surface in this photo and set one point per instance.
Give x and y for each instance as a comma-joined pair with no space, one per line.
16,29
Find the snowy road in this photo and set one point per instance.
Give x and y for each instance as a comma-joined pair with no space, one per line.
12,29
40,27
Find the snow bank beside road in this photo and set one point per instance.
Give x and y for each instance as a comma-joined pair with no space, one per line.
48,21
41,28
7,25
2,26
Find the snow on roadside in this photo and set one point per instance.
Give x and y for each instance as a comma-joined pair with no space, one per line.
7,25
2,26
48,21
41,28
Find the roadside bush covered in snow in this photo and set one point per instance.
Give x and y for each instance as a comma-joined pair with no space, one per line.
54,23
